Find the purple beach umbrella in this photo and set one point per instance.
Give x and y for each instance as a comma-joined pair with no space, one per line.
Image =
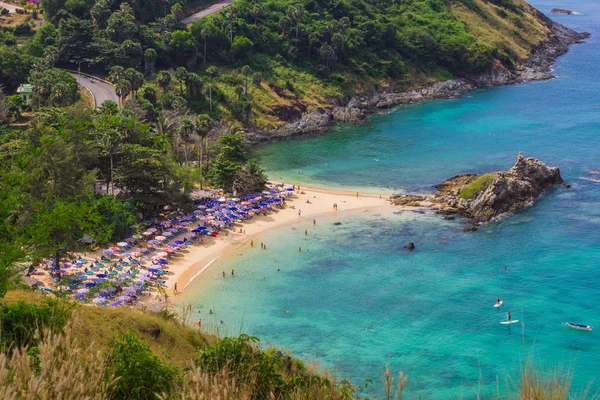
79,296
130,292
116,304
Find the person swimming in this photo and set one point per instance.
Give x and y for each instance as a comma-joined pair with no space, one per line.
498,301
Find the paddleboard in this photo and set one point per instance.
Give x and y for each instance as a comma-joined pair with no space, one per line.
509,322
498,304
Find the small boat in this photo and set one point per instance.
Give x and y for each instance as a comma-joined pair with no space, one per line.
580,327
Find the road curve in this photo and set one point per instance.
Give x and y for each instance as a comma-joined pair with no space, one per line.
102,91
10,7
207,11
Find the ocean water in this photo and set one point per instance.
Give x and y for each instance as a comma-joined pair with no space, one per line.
431,310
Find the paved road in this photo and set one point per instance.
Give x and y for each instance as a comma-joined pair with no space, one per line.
208,11
101,91
9,7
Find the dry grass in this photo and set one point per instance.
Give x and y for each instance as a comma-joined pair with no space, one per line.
68,369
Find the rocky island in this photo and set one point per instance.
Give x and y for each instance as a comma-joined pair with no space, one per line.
561,11
484,198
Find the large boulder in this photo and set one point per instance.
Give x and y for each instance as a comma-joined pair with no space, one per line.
508,191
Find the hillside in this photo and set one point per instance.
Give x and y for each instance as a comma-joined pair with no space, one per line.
282,67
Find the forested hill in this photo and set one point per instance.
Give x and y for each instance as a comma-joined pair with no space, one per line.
260,63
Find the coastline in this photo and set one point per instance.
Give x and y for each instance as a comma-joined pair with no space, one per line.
537,67
194,261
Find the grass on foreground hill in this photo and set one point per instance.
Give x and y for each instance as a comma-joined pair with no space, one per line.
102,353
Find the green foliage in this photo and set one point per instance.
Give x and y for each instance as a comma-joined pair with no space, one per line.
141,374
21,322
472,189
53,88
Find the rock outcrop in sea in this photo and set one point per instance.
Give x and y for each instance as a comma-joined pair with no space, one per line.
503,192
561,11
484,198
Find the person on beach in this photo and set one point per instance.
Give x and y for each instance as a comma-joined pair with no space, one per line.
210,311
305,232
357,195
252,243
314,221
508,316
175,288
264,246
232,273
278,269
299,213
199,323
223,274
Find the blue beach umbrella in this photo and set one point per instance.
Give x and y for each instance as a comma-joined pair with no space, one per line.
90,284
162,262
79,296
116,303
104,294
130,292
101,275
178,242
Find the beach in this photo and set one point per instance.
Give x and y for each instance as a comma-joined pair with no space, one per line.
189,264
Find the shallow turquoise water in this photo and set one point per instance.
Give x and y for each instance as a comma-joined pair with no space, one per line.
432,310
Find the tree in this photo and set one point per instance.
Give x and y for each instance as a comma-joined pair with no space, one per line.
212,73
241,47
193,85
327,53
116,73
202,126
135,78
181,74
229,161
184,48
256,12
207,32
122,89
164,80
246,71
295,15
149,61
257,78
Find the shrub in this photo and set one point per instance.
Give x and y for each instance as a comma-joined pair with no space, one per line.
3,11
473,188
241,47
141,375
21,322
22,29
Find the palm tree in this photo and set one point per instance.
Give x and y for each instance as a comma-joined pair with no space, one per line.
206,33
246,71
186,129
181,74
122,89
212,73
202,127
163,131
164,79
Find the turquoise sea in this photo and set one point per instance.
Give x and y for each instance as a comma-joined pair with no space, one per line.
431,309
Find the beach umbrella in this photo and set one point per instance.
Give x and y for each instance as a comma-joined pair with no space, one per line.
96,280
108,252
289,189
124,298
122,244
67,265
160,238
192,234
60,271
162,254
90,284
162,262
129,240
153,241
178,242
130,292
147,233
104,294
172,230
197,212
173,245
135,254
126,254
116,304
202,207
101,275
168,250
99,300
83,290
167,233
79,296
152,230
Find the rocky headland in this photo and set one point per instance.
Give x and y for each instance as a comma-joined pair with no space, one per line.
484,198
357,107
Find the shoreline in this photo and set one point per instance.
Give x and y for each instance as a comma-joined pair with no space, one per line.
537,67
192,263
